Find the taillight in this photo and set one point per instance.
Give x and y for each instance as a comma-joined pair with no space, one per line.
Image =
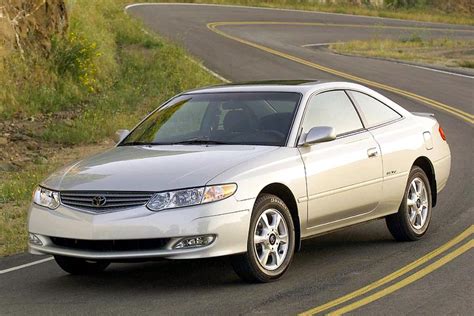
441,133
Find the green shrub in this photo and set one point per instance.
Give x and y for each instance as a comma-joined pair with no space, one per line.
75,56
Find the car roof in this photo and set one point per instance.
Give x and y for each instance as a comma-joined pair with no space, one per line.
305,87
301,86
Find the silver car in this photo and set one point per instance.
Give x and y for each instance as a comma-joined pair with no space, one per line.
248,171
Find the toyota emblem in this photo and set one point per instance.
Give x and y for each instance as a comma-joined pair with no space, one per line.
99,201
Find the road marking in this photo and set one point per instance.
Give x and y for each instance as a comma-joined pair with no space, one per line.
408,280
372,26
368,17
394,275
433,103
26,265
319,44
408,64
397,273
213,73
436,70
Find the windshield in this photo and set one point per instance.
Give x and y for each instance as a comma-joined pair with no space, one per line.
253,118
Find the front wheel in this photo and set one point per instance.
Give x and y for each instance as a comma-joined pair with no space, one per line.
271,242
414,215
80,266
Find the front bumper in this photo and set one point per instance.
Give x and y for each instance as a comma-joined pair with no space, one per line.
227,220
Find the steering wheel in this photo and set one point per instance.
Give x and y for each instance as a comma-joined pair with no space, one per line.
274,132
270,135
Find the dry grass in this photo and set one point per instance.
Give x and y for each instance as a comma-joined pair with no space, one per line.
442,52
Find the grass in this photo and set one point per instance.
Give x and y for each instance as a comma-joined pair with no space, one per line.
104,74
442,52
466,63
420,11
16,191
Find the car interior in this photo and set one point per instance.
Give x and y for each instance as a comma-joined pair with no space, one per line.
236,122
263,119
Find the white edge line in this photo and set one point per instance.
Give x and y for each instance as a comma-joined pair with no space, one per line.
213,73
193,60
437,70
298,10
401,62
319,44
26,265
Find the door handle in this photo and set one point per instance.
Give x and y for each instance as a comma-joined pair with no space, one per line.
372,152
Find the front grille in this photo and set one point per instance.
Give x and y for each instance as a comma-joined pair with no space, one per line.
111,245
104,201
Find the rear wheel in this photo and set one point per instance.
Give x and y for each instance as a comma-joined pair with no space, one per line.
80,266
414,215
271,242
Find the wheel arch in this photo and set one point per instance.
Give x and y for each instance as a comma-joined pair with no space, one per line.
284,193
425,164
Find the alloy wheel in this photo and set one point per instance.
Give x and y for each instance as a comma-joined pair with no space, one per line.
271,239
418,204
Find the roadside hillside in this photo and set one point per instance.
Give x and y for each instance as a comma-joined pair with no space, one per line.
72,73
27,25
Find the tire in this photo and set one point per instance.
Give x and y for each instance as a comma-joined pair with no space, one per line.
414,215
267,240
79,266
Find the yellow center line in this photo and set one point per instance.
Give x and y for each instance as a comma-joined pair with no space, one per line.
433,103
402,271
374,26
408,280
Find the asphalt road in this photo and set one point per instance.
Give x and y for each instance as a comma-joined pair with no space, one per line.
330,266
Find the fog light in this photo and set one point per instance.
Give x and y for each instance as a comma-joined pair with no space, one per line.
32,238
194,242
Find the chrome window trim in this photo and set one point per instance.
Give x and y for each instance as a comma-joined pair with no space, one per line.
364,120
386,123
147,116
351,133
342,135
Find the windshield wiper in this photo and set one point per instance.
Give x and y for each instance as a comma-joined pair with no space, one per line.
192,141
142,144
198,141
135,144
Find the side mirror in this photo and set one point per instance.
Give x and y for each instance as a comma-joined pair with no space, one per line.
120,135
319,134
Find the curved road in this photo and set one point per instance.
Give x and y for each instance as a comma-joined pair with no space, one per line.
253,44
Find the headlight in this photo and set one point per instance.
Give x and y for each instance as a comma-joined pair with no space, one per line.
46,198
188,197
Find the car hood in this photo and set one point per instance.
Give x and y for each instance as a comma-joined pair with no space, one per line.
152,168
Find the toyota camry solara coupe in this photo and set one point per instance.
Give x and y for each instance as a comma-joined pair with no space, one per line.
246,171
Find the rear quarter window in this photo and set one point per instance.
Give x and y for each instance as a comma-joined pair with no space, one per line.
374,111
